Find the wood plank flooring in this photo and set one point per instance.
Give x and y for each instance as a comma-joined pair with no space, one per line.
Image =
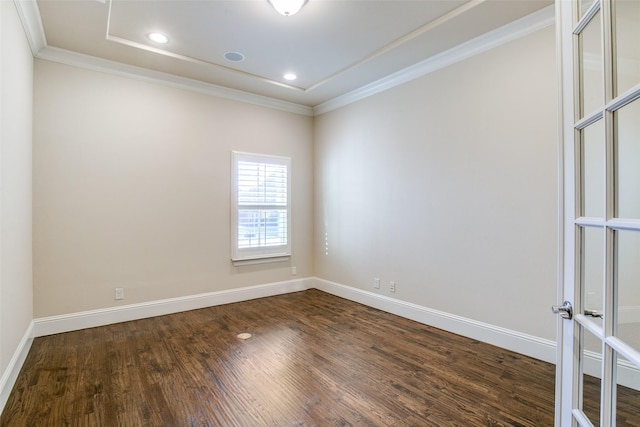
313,360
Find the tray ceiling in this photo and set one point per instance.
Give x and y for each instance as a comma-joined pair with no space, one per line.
333,46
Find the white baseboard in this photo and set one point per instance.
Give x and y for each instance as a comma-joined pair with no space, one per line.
518,342
512,340
90,319
10,374
528,345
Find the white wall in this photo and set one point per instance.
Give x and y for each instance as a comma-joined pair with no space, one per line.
132,189
447,185
16,82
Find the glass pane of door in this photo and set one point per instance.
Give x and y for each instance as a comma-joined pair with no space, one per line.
592,270
628,159
628,284
627,393
591,67
627,15
593,170
591,383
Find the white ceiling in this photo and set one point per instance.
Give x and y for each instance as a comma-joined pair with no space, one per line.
334,46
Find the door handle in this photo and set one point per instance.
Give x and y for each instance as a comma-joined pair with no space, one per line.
565,310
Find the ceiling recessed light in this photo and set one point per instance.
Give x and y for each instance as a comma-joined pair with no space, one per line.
234,56
158,38
290,76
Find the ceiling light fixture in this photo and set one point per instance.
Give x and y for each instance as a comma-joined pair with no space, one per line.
287,7
158,38
290,76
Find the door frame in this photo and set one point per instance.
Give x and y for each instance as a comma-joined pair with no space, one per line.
566,189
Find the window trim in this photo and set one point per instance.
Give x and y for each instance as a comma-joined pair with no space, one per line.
260,255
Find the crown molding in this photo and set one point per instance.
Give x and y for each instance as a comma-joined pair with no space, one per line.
80,60
529,24
34,31
32,23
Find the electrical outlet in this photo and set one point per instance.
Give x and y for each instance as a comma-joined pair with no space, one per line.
294,271
392,286
119,293
376,283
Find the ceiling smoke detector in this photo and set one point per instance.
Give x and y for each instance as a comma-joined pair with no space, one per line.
234,56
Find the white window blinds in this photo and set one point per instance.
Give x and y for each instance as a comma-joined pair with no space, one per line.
261,200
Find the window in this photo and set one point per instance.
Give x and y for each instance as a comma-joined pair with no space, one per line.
260,208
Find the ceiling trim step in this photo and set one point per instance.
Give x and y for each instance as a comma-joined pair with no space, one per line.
529,24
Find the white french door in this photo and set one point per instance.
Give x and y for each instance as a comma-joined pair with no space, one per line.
599,371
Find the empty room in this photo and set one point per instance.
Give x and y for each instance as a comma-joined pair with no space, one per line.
319,212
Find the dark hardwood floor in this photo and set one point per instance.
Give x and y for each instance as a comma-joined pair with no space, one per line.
313,359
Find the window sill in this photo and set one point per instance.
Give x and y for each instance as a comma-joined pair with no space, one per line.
261,260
